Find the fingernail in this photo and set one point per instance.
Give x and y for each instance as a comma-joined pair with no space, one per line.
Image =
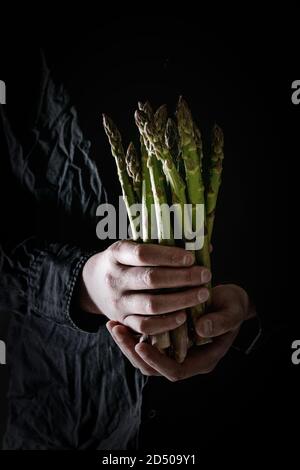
203,295
206,275
180,318
188,259
207,328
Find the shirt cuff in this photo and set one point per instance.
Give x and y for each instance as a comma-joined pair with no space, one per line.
52,278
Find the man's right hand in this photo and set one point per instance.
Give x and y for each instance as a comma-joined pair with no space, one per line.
122,281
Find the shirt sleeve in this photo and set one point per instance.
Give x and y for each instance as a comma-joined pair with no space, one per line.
39,278
52,189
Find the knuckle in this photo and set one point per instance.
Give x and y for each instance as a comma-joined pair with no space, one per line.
145,326
174,258
188,275
115,247
125,302
115,303
114,251
151,305
149,277
109,280
140,253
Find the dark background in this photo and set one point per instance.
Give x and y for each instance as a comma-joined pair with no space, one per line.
232,76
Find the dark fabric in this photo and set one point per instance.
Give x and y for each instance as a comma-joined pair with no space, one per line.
69,388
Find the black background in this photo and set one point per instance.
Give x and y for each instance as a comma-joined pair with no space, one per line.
232,75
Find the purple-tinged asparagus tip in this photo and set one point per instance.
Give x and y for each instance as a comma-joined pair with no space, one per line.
218,135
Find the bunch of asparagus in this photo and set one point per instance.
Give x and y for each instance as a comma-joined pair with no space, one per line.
169,169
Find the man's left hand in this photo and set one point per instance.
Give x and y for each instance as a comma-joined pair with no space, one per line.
230,307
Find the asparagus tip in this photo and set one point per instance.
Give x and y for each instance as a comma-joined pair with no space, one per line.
140,118
146,108
107,122
130,147
171,134
218,136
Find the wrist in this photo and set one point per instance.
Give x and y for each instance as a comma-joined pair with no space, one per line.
81,308
84,299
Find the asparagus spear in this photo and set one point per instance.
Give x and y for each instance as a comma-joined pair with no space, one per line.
215,173
193,169
174,155
161,341
172,143
163,154
179,335
191,143
134,169
160,119
146,108
171,139
117,150
147,196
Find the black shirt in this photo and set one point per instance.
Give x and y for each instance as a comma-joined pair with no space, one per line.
70,388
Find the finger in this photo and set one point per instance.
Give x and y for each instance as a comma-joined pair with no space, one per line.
163,278
203,359
126,342
153,325
157,304
159,361
200,360
135,254
218,323
110,325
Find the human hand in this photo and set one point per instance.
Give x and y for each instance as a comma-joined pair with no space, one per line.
229,308
122,282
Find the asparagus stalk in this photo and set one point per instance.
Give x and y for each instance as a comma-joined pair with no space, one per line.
172,140
162,340
173,155
146,108
198,142
134,169
117,150
160,119
164,156
147,196
215,173
179,337
191,143
193,170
